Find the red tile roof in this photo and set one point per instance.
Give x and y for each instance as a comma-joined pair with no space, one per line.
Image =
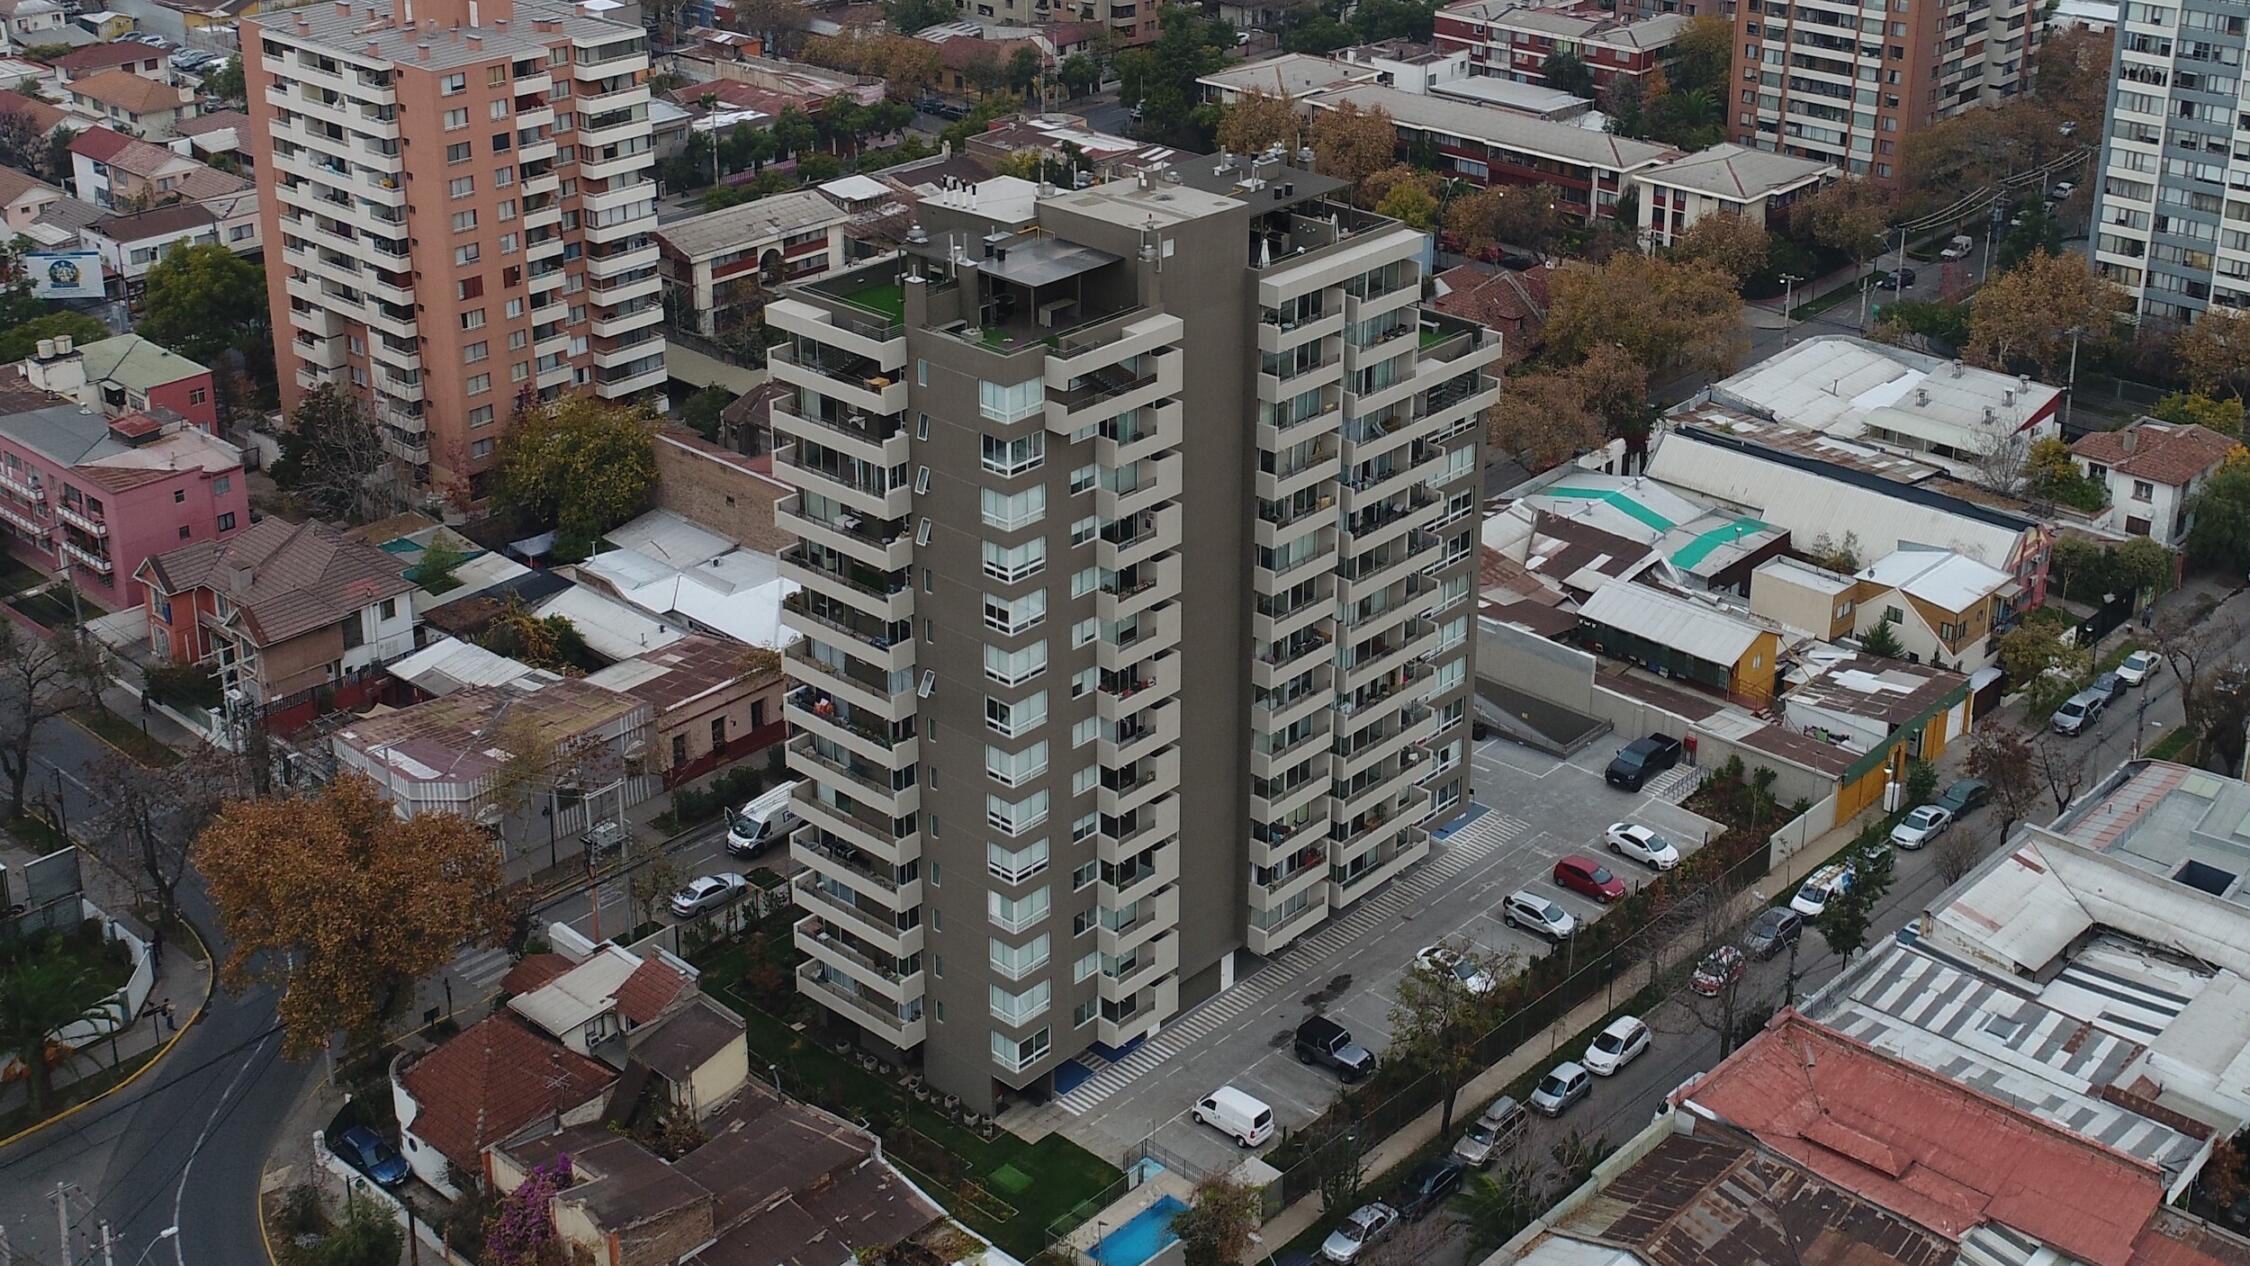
1502,299
1933,1150
493,1080
128,92
649,990
2161,452
2175,1239
533,971
105,56
99,143
44,116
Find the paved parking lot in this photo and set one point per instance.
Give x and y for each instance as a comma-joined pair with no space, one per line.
1535,809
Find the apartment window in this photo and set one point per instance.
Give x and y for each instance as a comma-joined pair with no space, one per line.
479,384
469,288
1082,479
453,85
461,186
1085,529
1016,1056
1011,402
1017,865
506,210
1015,817
179,496
1013,457
508,243
1011,668
504,177
226,521
518,339
1083,681
500,108
1013,769
463,221
1015,562
455,120
1082,782
515,309
1018,961
1083,829
475,352
1015,615
1085,731
466,254
183,531
1086,966
473,319
1084,581
522,370
224,484
2143,490
1017,914
1084,631
480,416
494,76
1017,718
1009,511
480,448
501,141
457,152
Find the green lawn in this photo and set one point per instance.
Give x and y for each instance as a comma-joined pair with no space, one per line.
1003,1187
124,735
49,609
15,575
886,297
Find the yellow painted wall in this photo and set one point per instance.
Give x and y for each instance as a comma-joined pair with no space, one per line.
1752,676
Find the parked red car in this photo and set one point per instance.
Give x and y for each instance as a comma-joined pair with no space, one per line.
1588,878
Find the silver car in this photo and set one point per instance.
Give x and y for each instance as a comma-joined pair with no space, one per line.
2078,711
708,892
1527,909
1566,1085
1367,1224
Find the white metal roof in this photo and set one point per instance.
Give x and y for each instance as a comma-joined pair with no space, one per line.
448,664
1685,625
568,1001
1504,128
610,628
670,538
856,188
1804,575
1737,173
1941,578
1845,386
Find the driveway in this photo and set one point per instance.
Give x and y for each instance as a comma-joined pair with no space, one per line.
1350,968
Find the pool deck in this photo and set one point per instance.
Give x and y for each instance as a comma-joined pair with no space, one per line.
1164,1183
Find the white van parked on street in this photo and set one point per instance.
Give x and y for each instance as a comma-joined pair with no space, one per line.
1231,1112
762,823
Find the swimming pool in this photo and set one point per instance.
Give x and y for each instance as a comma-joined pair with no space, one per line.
1141,1238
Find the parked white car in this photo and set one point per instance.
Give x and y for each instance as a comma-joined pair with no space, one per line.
1921,826
2135,669
1367,1224
1616,1046
1631,839
1442,960
1529,910
708,892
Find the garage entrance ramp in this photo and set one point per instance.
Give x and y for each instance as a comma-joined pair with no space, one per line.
1535,722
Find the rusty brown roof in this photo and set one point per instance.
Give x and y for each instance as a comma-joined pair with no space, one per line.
285,579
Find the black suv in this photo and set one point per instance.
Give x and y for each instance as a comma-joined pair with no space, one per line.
1638,759
1321,1040
1427,1187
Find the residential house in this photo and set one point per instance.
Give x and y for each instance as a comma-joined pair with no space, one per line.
482,1085
602,999
775,1182
695,578
32,23
23,197
1833,504
719,488
1507,40
1883,712
2151,471
1800,596
1942,607
719,265
130,244
1976,423
145,107
101,494
129,56
215,136
715,701
43,117
960,56
1488,146
1509,300
1756,185
117,172
1107,155
445,755
127,374
281,609
1674,635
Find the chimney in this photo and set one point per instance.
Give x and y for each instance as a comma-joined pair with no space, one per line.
374,48
475,40
2132,439
422,51
239,577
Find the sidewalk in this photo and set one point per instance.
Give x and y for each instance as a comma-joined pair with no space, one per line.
1422,1131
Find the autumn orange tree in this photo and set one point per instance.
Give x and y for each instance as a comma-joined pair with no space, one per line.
1541,420
1506,215
2214,351
1256,120
1352,144
580,465
1730,243
2024,317
343,904
1669,315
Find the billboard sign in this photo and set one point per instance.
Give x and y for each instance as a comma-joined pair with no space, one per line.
65,274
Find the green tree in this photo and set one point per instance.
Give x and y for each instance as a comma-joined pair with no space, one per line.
2193,408
2140,565
1496,1205
1162,76
1216,1229
202,300
2041,664
1921,783
1848,918
908,16
2000,757
39,993
581,464
439,561
1882,640
1436,1019
1080,74
2219,527
1566,73
333,459
20,342
368,1236
1023,70
1410,204
702,410
227,82
41,678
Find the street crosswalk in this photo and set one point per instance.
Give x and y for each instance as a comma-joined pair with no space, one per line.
1308,956
482,969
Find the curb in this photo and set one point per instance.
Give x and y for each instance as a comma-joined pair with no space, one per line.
209,979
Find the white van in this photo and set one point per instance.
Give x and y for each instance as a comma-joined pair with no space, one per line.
1231,1112
762,823
1820,888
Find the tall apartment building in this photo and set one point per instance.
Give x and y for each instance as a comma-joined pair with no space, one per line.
1137,531
456,213
1847,83
2174,174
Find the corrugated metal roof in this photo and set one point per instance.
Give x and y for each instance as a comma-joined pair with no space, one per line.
1683,624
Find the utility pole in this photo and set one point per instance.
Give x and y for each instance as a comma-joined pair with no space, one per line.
1788,302
61,1197
109,1246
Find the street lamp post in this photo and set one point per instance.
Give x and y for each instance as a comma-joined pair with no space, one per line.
1788,302
2070,389
161,1236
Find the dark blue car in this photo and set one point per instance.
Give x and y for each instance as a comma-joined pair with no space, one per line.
366,1149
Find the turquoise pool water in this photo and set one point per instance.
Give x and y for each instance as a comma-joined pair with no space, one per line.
1141,1238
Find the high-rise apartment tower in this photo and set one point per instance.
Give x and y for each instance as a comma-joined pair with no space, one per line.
457,212
1137,535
